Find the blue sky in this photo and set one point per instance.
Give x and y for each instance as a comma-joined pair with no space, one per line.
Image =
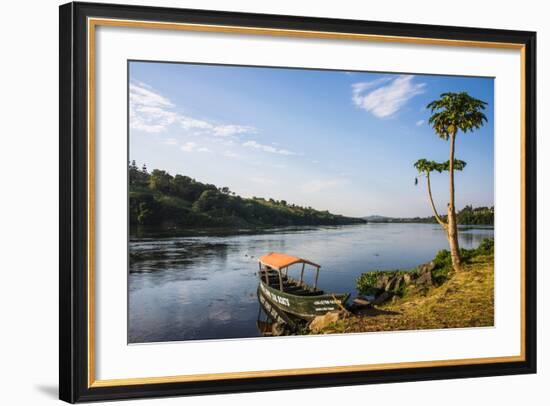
341,141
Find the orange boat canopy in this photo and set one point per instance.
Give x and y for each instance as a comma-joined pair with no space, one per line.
279,260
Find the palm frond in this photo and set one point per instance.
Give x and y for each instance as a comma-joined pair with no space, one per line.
456,111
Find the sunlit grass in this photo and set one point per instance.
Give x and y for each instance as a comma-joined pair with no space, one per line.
466,299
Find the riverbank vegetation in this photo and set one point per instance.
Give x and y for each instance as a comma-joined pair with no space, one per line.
440,269
159,199
467,216
445,299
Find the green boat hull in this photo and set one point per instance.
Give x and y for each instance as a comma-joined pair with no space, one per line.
305,307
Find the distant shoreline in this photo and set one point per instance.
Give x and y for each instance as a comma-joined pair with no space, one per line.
139,230
159,231
467,216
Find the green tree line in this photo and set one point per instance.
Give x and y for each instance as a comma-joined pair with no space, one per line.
467,216
159,199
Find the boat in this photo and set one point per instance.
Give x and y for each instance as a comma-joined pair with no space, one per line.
272,321
293,295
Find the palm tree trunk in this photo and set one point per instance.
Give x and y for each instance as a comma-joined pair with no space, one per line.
439,220
452,233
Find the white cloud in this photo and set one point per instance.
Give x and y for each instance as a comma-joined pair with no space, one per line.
267,148
384,97
151,112
361,87
193,146
218,130
420,122
150,119
190,123
143,95
318,185
228,130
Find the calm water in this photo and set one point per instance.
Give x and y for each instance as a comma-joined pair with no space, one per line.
204,287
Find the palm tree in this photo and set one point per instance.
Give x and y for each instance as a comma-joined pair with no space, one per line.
451,113
425,168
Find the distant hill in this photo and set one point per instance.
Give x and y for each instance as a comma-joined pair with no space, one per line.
467,216
160,199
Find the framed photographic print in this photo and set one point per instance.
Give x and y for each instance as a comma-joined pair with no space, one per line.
257,202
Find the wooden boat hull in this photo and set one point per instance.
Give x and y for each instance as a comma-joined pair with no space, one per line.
305,307
276,314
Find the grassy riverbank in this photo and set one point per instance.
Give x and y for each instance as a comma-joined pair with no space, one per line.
465,299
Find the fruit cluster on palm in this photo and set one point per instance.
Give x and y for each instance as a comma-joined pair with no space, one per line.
451,113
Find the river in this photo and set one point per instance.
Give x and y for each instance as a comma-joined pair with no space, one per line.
197,287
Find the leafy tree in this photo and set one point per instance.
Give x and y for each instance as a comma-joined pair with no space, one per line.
136,176
133,173
143,209
426,167
451,113
209,200
160,181
187,188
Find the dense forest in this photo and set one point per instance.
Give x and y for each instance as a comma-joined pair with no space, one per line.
160,199
467,216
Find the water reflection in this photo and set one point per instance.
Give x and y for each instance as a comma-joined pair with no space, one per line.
190,287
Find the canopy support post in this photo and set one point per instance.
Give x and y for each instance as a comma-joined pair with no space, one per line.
316,279
266,272
302,274
280,281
